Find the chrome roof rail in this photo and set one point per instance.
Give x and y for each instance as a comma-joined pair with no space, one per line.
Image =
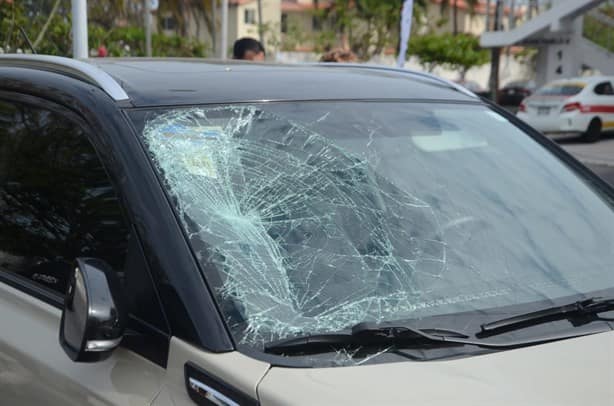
76,68
426,75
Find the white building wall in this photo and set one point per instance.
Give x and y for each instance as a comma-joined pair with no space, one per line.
271,19
510,68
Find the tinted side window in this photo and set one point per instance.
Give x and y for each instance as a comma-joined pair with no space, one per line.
56,202
604,88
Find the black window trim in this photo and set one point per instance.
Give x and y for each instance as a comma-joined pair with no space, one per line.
158,352
31,288
604,83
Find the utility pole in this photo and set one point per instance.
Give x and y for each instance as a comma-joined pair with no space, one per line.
495,54
260,26
79,29
148,28
214,23
224,41
487,15
512,16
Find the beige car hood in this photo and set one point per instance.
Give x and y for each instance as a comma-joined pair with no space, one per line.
577,371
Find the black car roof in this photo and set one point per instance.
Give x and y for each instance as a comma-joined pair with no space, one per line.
156,82
142,82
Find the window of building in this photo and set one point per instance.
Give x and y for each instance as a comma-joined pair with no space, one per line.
250,16
169,23
284,23
56,201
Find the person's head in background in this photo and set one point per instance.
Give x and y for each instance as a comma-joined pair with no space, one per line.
248,49
338,55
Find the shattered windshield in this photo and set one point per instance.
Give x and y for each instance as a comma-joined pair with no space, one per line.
311,217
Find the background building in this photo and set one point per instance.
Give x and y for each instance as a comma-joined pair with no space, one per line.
243,21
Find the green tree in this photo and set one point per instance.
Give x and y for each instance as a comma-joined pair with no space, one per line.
599,27
182,10
37,19
106,13
460,52
367,27
48,24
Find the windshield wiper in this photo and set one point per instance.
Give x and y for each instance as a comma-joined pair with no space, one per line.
576,310
397,334
392,334
362,335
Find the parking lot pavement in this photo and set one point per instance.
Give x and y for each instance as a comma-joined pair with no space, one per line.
598,156
597,153
606,172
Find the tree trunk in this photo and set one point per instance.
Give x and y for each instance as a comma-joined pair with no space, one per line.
455,18
260,23
316,14
463,74
43,30
184,23
495,55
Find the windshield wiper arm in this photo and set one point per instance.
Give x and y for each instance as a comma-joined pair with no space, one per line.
587,307
395,334
362,335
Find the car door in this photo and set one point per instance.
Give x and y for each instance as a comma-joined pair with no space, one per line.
602,103
56,204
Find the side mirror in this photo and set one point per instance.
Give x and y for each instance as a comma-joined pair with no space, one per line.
94,314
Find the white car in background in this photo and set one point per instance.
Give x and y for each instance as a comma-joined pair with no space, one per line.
580,105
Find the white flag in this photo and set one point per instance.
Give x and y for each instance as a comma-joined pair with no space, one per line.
406,16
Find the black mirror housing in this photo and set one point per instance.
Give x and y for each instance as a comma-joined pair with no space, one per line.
94,315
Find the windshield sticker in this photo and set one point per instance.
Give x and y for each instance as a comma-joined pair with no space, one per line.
200,164
448,141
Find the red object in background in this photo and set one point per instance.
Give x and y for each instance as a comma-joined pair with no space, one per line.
102,51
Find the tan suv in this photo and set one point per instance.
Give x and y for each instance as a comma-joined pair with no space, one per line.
176,232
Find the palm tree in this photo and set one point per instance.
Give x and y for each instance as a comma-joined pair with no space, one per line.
200,10
41,33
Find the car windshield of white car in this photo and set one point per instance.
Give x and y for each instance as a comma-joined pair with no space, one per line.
561,89
310,217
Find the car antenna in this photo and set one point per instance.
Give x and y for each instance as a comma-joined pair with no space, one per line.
25,36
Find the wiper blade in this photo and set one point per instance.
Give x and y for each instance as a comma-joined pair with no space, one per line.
363,335
587,307
391,334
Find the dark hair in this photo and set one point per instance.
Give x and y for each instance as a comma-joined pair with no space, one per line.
243,45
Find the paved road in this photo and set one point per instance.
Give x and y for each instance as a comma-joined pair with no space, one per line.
606,172
599,153
598,156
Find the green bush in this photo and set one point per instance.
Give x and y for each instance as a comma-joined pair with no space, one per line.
460,51
130,41
57,40
598,31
